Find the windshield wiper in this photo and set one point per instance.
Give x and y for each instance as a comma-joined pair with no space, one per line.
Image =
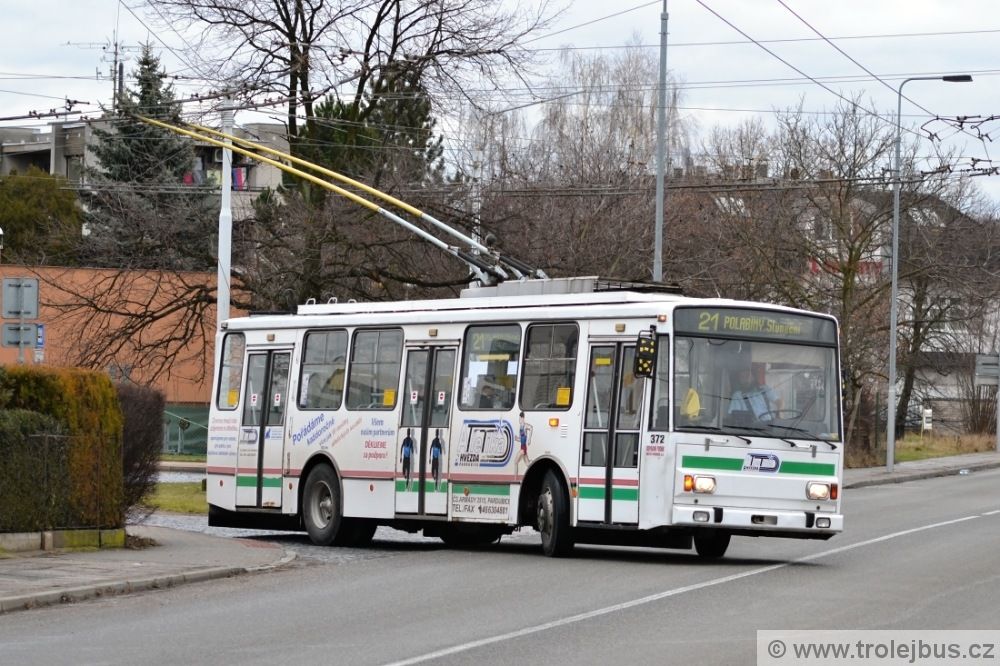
706,428
811,437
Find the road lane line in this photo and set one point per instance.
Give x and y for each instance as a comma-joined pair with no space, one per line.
992,513
580,617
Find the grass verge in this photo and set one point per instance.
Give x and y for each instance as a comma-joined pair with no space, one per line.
179,498
182,457
916,447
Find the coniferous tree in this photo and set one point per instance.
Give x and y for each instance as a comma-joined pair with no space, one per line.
141,214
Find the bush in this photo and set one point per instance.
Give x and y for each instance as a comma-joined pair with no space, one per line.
28,463
142,443
85,405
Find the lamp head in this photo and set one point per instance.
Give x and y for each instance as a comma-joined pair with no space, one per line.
957,78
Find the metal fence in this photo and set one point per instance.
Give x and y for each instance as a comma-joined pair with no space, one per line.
57,482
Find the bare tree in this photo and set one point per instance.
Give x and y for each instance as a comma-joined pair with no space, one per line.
303,49
574,196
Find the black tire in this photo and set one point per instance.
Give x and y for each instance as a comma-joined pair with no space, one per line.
712,545
321,506
552,520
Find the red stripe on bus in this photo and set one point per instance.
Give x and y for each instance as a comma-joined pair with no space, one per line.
362,474
472,478
614,482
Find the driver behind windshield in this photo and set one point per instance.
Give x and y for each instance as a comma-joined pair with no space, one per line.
753,396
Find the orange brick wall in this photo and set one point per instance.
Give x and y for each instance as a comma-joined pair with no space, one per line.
79,306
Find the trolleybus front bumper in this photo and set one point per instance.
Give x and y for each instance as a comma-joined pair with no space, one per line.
760,522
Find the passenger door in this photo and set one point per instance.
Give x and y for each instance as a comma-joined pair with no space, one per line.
259,471
428,393
609,475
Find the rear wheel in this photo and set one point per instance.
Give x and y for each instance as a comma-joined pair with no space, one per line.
321,506
712,545
553,517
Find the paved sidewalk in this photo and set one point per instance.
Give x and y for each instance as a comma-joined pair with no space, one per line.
39,578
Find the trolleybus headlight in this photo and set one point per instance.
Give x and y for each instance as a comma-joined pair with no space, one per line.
818,491
699,484
823,523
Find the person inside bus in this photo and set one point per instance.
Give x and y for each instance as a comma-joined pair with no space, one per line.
487,397
753,397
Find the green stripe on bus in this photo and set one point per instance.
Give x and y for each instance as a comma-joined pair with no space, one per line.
251,481
814,469
597,493
736,464
709,462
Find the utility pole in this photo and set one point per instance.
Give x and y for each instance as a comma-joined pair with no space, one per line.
661,148
225,221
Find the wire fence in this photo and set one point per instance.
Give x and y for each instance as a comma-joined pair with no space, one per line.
57,482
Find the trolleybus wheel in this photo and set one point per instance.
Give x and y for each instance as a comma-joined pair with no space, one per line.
712,545
321,506
553,517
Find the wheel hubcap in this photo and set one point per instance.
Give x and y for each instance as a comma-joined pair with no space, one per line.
322,505
545,513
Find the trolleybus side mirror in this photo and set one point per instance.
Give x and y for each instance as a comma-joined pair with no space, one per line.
645,354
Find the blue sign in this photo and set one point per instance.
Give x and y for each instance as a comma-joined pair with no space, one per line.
40,336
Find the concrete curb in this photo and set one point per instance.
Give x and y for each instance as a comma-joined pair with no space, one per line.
82,592
916,476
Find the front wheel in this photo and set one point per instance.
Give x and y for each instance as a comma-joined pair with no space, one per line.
321,506
553,517
712,545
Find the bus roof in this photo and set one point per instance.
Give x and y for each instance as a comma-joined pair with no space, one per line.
552,302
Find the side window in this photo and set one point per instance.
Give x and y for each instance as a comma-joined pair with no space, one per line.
661,383
549,367
324,362
374,373
489,367
230,371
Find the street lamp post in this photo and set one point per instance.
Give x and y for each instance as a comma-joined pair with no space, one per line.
890,435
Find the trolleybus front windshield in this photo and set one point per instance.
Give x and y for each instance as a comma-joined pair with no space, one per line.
749,372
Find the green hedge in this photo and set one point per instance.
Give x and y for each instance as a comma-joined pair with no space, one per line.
30,501
85,406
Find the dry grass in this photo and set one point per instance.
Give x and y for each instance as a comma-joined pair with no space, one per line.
916,447
179,498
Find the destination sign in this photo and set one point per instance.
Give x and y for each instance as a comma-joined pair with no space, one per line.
754,324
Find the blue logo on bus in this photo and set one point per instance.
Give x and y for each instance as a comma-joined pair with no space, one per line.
761,462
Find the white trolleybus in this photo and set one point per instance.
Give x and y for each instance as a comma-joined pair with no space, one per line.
592,412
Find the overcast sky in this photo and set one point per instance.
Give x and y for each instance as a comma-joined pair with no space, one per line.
52,49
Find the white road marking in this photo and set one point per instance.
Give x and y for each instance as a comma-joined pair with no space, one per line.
572,619
992,513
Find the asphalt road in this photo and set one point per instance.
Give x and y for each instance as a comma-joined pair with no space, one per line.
919,555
